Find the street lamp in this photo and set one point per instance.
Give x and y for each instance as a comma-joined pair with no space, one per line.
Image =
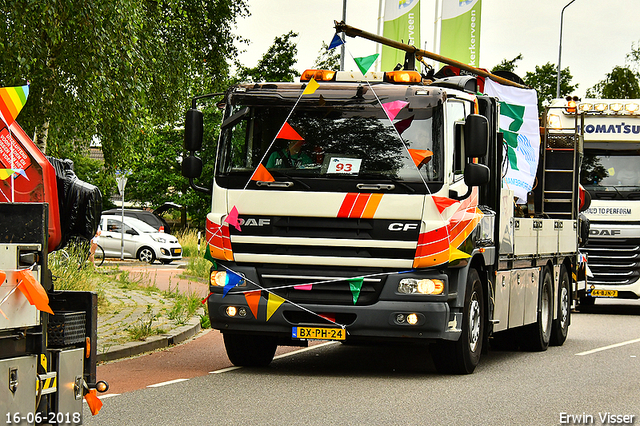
344,19
560,48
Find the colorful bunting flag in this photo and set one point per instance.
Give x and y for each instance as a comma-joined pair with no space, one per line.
355,284
6,173
207,255
287,132
455,254
328,317
403,125
3,276
335,42
94,403
393,108
364,63
21,172
12,99
233,280
33,290
420,156
232,218
443,202
273,303
253,300
262,174
307,287
312,86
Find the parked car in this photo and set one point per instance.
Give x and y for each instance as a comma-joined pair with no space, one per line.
141,241
148,217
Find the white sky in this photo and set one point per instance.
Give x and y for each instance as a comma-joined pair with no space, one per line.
597,34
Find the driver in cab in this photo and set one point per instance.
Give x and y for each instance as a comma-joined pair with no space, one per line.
290,158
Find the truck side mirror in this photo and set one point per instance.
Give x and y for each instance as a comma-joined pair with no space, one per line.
476,174
191,167
476,136
193,130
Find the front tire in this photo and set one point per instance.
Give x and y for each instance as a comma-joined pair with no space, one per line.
246,350
463,356
146,255
560,326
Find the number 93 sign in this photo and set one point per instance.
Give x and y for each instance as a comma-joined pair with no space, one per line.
344,165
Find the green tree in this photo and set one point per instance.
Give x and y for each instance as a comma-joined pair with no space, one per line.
507,65
109,69
328,59
544,80
620,83
276,64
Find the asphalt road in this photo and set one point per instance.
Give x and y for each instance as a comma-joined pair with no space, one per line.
596,372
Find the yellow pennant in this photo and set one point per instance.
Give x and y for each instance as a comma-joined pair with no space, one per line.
312,86
273,303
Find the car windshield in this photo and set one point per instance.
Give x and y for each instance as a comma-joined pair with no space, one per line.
610,169
132,222
331,140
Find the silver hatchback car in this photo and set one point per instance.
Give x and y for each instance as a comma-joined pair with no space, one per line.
141,241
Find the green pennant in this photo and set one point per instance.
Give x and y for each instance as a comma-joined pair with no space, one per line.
365,62
356,285
207,255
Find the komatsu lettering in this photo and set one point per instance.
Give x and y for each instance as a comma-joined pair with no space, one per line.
612,128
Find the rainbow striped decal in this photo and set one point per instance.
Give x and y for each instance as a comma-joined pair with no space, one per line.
441,245
359,206
218,241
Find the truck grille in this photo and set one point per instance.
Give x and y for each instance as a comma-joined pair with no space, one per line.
613,262
329,287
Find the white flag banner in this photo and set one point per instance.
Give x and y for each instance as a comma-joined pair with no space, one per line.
519,124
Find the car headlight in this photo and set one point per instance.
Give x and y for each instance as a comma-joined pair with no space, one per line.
424,286
159,240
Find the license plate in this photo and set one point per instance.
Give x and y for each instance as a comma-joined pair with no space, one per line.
604,293
317,333
177,251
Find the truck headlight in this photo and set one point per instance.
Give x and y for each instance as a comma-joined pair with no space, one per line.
222,278
424,286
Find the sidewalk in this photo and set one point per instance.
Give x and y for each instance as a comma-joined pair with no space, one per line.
132,311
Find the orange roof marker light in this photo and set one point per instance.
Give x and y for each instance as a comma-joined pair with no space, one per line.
402,77
317,75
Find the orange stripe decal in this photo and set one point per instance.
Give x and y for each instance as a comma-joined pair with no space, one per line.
372,206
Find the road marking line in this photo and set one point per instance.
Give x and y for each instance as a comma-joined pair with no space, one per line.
108,395
170,382
299,351
604,348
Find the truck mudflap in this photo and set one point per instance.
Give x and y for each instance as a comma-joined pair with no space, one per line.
383,320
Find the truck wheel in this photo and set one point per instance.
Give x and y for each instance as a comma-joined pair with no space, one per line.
146,255
536,336
462,357
246,350
560,326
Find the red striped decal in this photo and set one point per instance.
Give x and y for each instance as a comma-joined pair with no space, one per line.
347,204
359,206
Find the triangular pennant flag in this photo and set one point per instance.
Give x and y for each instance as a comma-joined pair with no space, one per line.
33,290
206,298
207,255
420,156
12,99
288,133
335,42
321,101
253,300
262,174
3,276
94,403
455,254
393,108
273,303
403,125
303,287
312,86
355,284
21,172
328,317
233,280
232,218
365,62
443,202
6,173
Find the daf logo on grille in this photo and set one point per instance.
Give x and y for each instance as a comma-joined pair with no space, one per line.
254,222
605,232
403,226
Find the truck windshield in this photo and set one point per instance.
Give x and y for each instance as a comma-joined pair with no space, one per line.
611,170
326,141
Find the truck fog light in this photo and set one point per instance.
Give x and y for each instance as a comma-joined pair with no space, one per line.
232,311
412,319
400,318
242,312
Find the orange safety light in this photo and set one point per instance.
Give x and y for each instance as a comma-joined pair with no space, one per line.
402,77
571,106
317,75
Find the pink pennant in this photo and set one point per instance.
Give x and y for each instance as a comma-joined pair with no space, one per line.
393,108
232,219
303,287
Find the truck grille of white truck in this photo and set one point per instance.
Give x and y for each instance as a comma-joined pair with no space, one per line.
613,262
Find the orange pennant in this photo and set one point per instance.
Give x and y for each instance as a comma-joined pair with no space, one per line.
3,276
287,132
94,403
262,174
420,155
33,290
253,300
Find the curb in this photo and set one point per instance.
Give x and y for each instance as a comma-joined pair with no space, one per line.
152,343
